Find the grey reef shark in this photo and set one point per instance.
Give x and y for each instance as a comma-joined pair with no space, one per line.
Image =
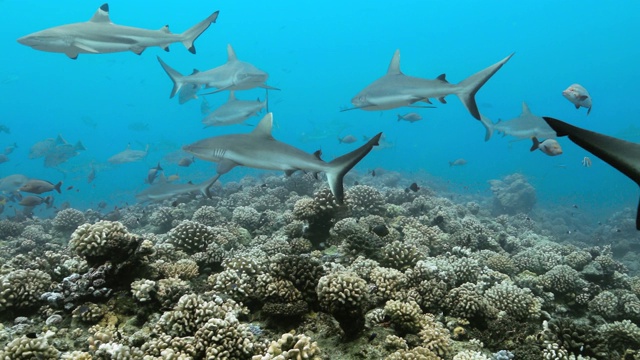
163,190
525,126
100,36
258,149
395,89
234,111
623,155
233,75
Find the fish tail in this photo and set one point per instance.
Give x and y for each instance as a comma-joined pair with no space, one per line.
175,77
205,186
488,126
467,88
190,36
57,187
399,117
339,167
535,145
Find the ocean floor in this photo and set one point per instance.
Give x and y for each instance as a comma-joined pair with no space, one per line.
272,267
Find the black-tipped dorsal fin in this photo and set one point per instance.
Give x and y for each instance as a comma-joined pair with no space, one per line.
232,96
231,55
318,154
394,66
101,15
525,109
263,129
165,29
442,77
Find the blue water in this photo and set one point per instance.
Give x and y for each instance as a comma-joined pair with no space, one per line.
321,54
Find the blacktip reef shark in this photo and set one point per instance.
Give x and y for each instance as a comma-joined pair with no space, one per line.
525,126
234,111
99,36
233,75
258,149
623,155
395,89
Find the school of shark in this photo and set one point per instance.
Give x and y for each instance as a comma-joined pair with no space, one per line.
326,254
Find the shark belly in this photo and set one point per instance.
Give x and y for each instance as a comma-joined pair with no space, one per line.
284,159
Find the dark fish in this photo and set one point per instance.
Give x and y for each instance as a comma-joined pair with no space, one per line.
381,230
33,200
186,161
372,172
349,139
9,149
3,158
92,174
414,187
69,187
5,129
36,186
153,173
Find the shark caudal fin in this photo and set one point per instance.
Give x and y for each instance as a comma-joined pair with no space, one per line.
175,77
623,155
340,166
488,126
190,36
467,88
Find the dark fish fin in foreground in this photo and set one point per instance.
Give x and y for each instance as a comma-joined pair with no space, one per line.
191,34
623,155
340,166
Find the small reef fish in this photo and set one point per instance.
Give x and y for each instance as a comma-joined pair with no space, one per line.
36,186
100,36
550,147
458,162
9,149
349,139
128,155
5,129
413,187
578,96
410,117
3,158
33,200
186,161
152,174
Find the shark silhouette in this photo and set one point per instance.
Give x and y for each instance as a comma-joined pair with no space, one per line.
99,36
623,155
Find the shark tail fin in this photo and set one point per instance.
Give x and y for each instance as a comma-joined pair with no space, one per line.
176,77
190,36
488,126
340,166
205,186
468,87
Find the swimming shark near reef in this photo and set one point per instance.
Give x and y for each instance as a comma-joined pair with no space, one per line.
525,126
164,190
234,111
260,150
99,36
395,89
233,75
623,155
128,155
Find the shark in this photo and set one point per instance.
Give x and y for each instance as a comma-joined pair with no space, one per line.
128,155
233,75
164,190
258,149
234,111
395,89
100,36
525,126
623,155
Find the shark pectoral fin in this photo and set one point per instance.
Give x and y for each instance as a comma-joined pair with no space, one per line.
206,190
216,91
422,106
442,100
288,173
269,87
588,111
84,47
577,106
72,55
137,49
225,165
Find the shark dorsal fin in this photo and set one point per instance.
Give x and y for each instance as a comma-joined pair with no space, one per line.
101,15
263,129
442,77
165,29
318,154
231,55
525,109
394,66
195,71
232,96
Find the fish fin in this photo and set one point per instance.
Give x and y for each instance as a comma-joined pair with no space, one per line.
394,65
225,165
422,106
206,189
588,111
269,87
231,54
84,47
355,108
442,100
399,117
57,186
101,15
264,127
467,88
318,154
166,48
525,109
583,97
288,173
442,77
232,96
176,77
577,106
165,29
191,34
340,166
488,125
535,145
138,50
72,55
217,90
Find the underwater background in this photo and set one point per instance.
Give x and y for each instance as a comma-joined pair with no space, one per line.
320,54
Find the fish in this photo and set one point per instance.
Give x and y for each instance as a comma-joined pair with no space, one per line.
41,148
622,155
9,149
233,75
36,186
414,187
163,190
186,161
525,126
62,152
92,174
458,162
5,129
410,117
189,92
12,183
100,36
205,108
128,155
578,96
173,177
260,150
395,89
33,200
153,173
234,111
348,139
550,147
3,158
